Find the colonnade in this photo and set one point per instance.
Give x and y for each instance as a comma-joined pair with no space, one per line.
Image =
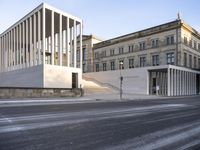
44,36
181,82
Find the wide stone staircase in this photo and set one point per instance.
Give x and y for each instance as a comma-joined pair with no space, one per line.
92,86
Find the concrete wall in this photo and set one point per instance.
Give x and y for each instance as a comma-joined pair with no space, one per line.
28,77
60,76
47,76
37,92
135,80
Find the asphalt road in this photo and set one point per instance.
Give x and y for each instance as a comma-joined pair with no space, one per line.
165,124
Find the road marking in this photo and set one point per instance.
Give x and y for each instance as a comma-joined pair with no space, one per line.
159,139
45,120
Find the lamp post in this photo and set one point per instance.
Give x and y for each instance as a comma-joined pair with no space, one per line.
121,79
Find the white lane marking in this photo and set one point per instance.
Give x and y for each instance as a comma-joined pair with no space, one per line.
159,139
189,145
71,118
161,107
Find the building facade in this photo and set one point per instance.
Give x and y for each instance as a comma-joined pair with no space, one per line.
174,43
39,51
87,52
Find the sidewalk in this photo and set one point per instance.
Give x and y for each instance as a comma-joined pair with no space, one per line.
85,98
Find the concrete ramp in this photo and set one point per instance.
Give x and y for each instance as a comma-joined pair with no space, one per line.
92,87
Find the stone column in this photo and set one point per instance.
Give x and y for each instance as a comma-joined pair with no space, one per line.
17,50
39,38
30,58
43,34
75,46
52,37
168,82
60,41
67,41
20,44
34,40
23,45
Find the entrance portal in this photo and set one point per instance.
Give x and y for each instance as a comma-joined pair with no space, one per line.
74,80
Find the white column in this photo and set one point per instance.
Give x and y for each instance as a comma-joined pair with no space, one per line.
23,45
60,41
185,83
71,60
39,38
44,34
20,44
67,41
52,38
30,43
27,64
75,46
180,83
1,54
17,50
34,40
8,54
81,53
14,48
11,49
195,84
172,82
175,82
168,82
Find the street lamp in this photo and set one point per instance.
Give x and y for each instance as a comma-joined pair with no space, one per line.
121,78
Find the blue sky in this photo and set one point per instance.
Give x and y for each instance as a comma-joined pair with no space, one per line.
109,18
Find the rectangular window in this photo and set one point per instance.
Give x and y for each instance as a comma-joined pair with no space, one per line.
198,46
190,43
185,40
142,61
96,55
84,69
121,64
131,63
155,60
78,55
97,67
195,45
195,62
154,43
170,40
142,45
199,62
104,66
84,54
112,65
130,48
121,50
170,58
112,52
104,54
185,59
190,61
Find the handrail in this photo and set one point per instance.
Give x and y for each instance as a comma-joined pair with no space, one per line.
100,83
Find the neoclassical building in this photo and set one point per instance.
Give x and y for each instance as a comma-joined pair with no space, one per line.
164,60
40,51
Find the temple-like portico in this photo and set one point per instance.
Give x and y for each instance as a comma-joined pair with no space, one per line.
40,50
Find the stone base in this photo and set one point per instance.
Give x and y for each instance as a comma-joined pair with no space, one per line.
7,92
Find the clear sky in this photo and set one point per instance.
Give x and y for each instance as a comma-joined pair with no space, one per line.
109,18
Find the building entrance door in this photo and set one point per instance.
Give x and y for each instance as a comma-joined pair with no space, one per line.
198,83
74,80
154,86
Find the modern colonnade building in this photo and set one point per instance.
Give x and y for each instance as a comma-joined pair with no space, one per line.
40,51
162,60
